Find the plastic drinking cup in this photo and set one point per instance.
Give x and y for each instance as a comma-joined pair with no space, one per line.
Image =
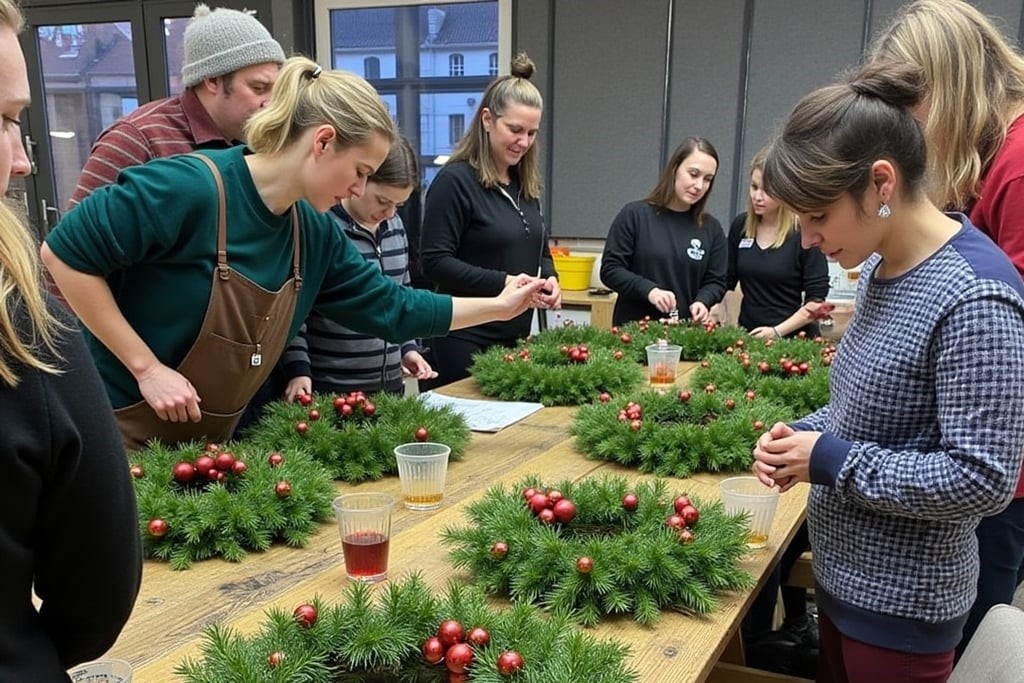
102,671
421,469
364,522
749,496
662,361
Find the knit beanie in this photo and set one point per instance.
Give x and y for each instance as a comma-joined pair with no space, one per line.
223,41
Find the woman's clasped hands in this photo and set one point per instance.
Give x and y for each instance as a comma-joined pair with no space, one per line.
782,456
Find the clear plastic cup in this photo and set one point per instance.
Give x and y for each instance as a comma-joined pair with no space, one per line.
102,671
662,361
422,468
749,496
364,522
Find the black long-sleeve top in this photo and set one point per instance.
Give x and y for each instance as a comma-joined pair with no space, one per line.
68,520
648,247
776,282
473,237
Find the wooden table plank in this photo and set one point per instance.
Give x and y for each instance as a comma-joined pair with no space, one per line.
174,607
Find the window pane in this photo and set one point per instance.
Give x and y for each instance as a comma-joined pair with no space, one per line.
88,83
174,51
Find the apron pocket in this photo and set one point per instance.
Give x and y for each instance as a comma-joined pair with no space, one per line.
139,424
224,373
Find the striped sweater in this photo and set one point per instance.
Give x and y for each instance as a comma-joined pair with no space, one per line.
338,359
923,436
162,128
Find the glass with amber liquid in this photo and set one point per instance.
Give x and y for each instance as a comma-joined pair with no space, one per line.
422,469
662,361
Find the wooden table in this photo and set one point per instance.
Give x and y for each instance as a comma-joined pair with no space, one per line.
174,607
601,307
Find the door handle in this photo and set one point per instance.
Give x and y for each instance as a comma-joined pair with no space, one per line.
45,213
30,152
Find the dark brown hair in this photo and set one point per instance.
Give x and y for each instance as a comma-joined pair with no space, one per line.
665,191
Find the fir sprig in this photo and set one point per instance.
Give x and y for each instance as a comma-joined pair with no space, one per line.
640,565
378,641
358,447
243,512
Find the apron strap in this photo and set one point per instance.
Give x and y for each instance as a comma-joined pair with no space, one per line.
296,272
222,217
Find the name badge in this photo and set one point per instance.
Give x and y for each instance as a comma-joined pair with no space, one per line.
746,242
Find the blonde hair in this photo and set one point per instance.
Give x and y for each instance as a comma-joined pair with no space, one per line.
787,219
474,147
28,331
972,81
10,16
306,96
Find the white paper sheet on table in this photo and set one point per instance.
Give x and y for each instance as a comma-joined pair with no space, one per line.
483,416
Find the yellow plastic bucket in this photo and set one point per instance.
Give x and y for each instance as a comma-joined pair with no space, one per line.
574,271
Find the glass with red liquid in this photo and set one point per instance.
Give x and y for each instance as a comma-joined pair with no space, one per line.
364,522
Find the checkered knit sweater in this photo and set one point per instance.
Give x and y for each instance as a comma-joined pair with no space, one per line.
923,436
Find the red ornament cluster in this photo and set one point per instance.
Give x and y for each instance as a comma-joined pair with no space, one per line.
213,465
576,353
550,507
632,414
455,648
683,519
353,403
524,355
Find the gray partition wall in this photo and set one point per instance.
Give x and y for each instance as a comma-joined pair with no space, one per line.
624,82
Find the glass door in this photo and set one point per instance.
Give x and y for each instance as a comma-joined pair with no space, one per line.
88,66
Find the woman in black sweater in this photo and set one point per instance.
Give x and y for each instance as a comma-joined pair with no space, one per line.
664,252
68,522
482,222
783,283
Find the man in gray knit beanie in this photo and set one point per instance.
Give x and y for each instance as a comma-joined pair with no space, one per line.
230,64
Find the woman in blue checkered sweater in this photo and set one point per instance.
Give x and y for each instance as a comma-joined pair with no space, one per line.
924,432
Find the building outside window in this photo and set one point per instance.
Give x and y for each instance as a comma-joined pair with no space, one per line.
493,63
456,127
371,68
456,65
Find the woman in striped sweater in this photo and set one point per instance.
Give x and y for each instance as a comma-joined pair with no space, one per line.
330,358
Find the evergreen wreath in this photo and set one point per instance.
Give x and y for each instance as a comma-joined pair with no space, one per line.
565,366
712,426
697,340
408,635
600,547
196,502
354,436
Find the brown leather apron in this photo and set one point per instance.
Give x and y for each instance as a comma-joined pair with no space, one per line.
244,333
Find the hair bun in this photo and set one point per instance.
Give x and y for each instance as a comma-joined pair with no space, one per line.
523,66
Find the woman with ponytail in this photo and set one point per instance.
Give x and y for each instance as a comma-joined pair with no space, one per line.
970,101
192,273
922,436
67,495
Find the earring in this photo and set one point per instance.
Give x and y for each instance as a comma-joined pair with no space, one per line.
884,211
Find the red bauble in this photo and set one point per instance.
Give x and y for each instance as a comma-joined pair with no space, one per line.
546,516
274,659
212,448
529,493
618,355
450,632
630,502
686,536
554,495
584,565
433,650
750,395
305,399
709,388
685,396
283,489
679,503
758,425
478,636
275,459
499,549
458,658
239,467
305,615
690,515
510,662
157,527
213,474
604,397
183,472
730,404
675,522
538,502
764,368
339,404
314,415
636,425
204,464
301,427
564,510
346,410
626,338
422,434
369,409
137,472
225,461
